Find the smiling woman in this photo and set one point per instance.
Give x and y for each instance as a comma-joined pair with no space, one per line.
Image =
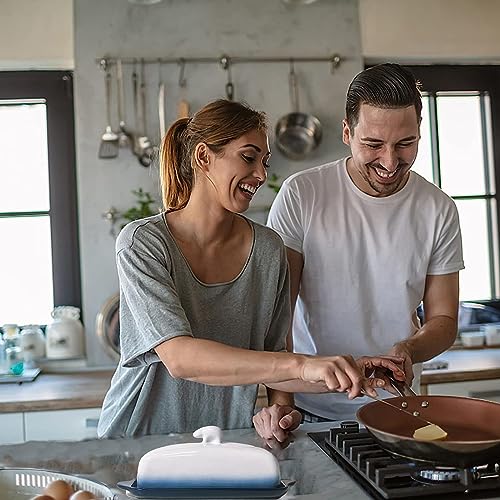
204,294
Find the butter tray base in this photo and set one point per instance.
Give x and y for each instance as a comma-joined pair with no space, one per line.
203,493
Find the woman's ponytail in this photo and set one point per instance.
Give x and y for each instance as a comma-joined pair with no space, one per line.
176,174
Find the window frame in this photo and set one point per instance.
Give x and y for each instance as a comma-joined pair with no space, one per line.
483,79
56,88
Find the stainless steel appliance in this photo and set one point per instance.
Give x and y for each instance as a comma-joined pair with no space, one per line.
384,475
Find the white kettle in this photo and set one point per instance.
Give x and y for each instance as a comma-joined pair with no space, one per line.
65,334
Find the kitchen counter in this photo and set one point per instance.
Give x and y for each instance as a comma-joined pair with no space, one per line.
59,391
86,389
110,461
464,365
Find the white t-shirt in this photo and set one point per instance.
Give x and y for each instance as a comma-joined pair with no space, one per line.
365,264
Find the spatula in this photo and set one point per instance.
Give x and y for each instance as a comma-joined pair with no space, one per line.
108,147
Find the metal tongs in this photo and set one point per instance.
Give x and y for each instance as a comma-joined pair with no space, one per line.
404,390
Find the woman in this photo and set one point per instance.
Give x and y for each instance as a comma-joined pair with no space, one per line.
204,293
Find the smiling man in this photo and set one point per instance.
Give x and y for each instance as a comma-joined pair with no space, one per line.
368,240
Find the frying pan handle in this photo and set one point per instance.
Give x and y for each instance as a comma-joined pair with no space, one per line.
402,388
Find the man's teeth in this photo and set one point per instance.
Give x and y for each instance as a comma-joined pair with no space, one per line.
248,187
385,174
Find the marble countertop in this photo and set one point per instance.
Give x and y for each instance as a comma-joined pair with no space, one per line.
317,477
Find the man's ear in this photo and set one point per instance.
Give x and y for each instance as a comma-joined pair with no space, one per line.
202,156
346,133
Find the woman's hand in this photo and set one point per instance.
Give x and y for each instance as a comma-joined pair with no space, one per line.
344,374
276,422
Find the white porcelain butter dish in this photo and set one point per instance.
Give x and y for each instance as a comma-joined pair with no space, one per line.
209,464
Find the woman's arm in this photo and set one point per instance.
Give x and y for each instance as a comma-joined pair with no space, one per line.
214,363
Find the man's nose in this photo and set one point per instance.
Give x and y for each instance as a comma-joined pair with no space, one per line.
389,160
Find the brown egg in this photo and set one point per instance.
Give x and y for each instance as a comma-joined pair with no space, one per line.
59,490
42,497
82,495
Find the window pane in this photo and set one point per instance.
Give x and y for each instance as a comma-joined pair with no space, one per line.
24,178
475,278
423,163
461,144
26,269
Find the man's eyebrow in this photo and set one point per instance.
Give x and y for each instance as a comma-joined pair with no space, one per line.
372,139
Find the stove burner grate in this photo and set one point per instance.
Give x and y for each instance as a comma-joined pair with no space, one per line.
385,475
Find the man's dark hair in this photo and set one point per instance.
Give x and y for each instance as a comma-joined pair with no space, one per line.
387,86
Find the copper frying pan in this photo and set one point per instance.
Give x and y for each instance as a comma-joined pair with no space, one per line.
473,427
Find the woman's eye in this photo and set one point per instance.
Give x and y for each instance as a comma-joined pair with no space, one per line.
248,159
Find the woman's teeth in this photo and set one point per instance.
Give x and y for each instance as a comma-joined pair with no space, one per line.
248,188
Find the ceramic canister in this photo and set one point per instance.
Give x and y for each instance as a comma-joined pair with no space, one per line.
65,334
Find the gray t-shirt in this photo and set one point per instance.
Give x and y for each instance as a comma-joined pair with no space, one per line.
161,298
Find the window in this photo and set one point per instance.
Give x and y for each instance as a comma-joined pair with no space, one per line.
460,152
39,261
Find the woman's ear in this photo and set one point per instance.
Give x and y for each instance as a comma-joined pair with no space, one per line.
202,156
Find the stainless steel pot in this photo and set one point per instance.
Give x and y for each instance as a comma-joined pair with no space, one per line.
297,134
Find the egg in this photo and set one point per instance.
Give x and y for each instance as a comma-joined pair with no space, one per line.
42,497
82,495
59,490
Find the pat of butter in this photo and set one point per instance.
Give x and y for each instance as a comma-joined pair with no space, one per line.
431,432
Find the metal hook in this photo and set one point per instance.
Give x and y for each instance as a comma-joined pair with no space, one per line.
182,79
335,62
225,62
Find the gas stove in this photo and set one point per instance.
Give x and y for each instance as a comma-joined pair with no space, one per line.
384,475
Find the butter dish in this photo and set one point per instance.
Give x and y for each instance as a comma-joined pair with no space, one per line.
210,469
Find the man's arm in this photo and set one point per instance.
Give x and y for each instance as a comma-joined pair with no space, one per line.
441,323
279,420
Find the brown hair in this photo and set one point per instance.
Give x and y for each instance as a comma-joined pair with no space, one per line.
387,85
216,124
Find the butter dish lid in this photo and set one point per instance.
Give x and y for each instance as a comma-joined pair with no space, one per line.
209,464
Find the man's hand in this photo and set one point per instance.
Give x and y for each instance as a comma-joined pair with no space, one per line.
372,367
403,351
276,422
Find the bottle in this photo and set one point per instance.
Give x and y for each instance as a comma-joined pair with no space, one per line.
32,343
65,334
4,367
13,350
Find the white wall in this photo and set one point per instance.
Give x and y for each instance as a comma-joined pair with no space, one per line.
36,34
430,30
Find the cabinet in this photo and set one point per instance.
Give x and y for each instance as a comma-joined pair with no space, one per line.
11,428
61,425
57,425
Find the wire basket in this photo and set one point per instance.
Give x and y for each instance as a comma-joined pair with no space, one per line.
22,484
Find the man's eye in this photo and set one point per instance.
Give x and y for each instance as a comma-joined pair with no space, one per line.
405,144
373,146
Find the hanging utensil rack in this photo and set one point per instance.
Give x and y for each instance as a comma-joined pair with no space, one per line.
224,60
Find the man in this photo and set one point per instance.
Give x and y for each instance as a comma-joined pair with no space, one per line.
367,240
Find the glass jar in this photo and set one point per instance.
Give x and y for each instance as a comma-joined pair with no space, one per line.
32,342
13,350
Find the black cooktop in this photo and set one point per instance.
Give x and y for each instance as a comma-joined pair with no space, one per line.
384,475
